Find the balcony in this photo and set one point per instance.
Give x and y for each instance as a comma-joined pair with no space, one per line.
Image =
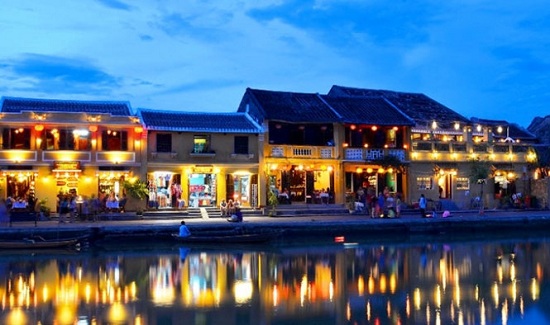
284,151
361,154
451,151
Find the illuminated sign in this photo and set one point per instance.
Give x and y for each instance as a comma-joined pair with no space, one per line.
63,166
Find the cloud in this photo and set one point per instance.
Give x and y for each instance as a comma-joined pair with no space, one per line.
115,4
43,73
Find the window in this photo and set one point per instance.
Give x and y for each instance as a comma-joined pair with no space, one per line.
201,144
462,183
16,138
241,145
164,142
114,140
66,139
424,183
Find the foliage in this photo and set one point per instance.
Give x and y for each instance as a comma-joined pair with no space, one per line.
136,188
479,171
272,200
42,204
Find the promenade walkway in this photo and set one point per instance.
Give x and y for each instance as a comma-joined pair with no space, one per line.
465,222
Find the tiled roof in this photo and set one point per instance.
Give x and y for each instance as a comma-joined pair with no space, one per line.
293,107
509,129
19,105
198,122
419,107
367,110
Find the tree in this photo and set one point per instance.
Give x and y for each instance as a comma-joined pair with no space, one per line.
479,172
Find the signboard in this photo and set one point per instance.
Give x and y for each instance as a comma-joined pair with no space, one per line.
66,166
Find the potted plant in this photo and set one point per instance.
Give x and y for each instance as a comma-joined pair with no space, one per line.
137,191
43,208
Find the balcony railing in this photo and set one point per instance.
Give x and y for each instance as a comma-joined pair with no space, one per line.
358,154
451,151
284,151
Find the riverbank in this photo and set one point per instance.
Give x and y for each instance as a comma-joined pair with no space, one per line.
461,223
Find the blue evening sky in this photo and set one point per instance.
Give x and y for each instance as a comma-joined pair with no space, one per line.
482,58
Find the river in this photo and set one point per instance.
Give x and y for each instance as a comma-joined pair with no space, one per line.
308,281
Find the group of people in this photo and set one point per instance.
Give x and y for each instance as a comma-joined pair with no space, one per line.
384,205
231,210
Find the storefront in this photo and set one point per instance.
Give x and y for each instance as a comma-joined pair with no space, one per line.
307,184
20,185
165,190
202,189
242,187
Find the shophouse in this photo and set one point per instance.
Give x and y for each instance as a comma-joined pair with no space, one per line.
318,145
81,148
199,159
444,144
299,153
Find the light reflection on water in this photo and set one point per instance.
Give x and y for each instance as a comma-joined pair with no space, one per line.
499,282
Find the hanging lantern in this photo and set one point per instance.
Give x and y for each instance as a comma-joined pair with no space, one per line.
92,128
138,129
39,127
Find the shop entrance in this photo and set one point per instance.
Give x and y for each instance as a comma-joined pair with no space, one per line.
202,190
239,188
164,189
21,189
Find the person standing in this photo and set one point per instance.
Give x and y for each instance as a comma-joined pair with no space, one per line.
422,205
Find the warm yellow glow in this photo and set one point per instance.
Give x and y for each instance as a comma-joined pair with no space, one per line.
360,285
39,127
417,299
138,129
242,290
137,143
434,125
381,171
117,314
366,145
393,283
495,293
65,314
370,284
369,170
457,126
511,175
38,142
478,128
390,170
330,168
359,170
17,316
275,296
534,289
374,128
92,128
353,127
273,166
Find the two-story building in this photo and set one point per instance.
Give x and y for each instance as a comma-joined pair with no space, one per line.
319,143
201,158
83,148
299,153
443,145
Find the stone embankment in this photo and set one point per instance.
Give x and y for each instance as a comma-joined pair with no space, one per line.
503,223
